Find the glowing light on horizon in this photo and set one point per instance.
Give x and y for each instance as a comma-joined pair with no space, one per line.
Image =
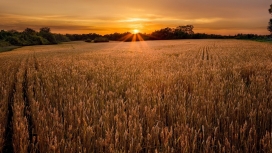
135,31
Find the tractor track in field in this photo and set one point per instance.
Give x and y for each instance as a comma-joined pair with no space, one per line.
8,136
9,132
205,53
27,109
28,112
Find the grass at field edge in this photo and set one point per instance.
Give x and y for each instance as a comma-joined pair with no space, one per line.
8,48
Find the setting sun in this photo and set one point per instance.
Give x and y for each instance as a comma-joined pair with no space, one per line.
135,31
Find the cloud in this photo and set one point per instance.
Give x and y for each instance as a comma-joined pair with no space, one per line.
123,15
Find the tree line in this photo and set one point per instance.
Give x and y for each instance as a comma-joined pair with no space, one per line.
31,37
45,37
180,32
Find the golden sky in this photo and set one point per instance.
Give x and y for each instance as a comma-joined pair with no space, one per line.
109,16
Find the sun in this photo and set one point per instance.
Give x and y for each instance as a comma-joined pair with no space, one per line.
135,31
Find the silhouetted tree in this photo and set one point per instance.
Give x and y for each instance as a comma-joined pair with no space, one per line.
61,38
29,31
45,33
126,36
269,28
180,32
13,31
76,37
186,29
28,37
4,34
45,30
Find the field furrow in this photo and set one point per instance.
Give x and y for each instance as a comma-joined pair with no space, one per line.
8,144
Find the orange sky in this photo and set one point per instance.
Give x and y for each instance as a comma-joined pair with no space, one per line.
108,16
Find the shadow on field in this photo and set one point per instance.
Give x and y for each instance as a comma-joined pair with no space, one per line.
8,48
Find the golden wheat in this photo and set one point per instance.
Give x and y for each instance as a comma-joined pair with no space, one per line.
157,96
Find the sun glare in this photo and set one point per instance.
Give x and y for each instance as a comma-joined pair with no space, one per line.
135,31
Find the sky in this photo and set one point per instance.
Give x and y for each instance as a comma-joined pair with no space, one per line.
224,17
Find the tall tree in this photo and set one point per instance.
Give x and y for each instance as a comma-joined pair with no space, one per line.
45,33
45,30
186,29
269,28
29,31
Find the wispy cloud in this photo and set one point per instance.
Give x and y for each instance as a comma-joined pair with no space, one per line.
121,15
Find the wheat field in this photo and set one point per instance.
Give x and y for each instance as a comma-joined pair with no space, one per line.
128,97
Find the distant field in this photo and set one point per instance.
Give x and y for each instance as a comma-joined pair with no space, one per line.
154,96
